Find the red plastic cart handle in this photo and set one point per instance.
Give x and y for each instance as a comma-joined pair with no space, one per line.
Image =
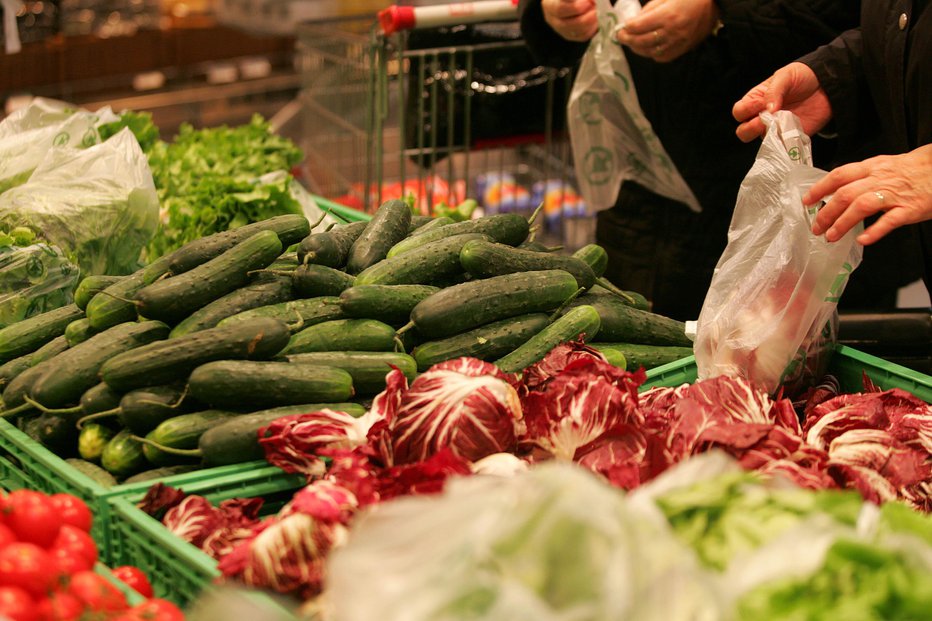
396,18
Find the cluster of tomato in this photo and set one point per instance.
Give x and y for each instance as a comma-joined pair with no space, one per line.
47,560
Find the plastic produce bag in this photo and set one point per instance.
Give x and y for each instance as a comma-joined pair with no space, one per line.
776,287
98,205
612,140
552,544
34,277
27,136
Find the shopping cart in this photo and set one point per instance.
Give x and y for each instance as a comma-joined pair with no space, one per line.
442,103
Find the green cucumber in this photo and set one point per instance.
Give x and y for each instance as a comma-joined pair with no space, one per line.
343,335
91,286
156,474
114,305
487,342
311,281
180,432
92,439
12,369
419,222
30,334
92,471
173,299
57,433
173,360
144,409
484,259
389,225
15,393
123,456
472,304
330,247
580,322
624,324
595,257
631,298
615,358
287,262
245,298
298,314
74,371
367,368
79,331
238,384
433,223
420,266
289,228
536,246
507,228
99,398
390,303
637,355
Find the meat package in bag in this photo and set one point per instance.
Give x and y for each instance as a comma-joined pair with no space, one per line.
768,315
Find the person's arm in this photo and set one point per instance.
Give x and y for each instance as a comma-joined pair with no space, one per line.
547,47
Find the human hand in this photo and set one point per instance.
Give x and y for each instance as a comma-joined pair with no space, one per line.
574,20
900,185
794,88
666,29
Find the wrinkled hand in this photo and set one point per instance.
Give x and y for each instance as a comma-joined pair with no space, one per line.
666,29
574,20
794,88
900,185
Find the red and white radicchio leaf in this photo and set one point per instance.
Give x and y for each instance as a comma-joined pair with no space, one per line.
159,499
466,404
193,519
325,501
292,442
538,374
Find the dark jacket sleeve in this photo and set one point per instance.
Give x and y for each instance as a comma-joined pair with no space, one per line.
546,46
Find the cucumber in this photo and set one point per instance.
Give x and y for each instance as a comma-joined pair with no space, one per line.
245,298
343,335
123,455
74,371
484,259
144,409
472,304
433,223
99,398
312,281
595,257
159,473
624,324
235,384
487,342
114,305
14,395
330,247
419,222
390,303
57,433
30,334
92,471
580,322
180,432
507,228
79,331
421,266
298,314
92,439
173,360
287,262
536,246
289,228
615,358
633,298
12,369
91,286
637,355
389,225
368,369
173,299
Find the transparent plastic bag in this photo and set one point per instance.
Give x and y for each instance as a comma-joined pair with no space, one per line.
99,204
33,279
612,139
775,290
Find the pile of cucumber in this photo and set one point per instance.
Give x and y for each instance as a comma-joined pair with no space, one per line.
179,364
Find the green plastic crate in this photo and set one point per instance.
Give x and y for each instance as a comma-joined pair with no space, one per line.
347,214
847,364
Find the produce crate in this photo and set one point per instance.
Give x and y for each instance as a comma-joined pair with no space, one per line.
847,364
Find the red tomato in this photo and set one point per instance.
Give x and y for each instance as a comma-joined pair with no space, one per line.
60,606
32,517
68,562
134,578
17,604
96,592
27,566
72,511
157,610
77,541
7,536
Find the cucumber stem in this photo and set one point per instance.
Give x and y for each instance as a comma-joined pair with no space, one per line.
308,257
46,410
168,449
536,213
296,326
327,230
605,284
25,407
275,272
554,248
399,345
122,299
105,414
566,303
404,328
323,214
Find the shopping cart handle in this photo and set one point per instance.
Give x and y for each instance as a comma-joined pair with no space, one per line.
396,18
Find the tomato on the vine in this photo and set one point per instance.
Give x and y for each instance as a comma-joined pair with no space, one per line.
31,516
60,606
134,578
17,605
156,609
96,592
73,511
27,566
78,542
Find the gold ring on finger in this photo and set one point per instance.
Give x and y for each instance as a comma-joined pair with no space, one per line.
880,197
658,39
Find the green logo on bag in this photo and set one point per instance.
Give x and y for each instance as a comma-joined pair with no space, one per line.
598,164
838,285
624,81
61,139
89,139
794,154
636,164
590,109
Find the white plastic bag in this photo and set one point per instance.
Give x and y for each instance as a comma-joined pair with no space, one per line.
776,286
99,204
612,140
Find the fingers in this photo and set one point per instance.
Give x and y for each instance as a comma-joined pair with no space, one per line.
566,9
643,25
574,20
834,180
850,205
751,130
886,223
